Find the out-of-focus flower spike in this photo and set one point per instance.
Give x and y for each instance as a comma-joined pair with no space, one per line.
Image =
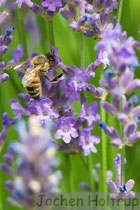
2,3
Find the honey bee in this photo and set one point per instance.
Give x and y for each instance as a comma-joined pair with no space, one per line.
40,64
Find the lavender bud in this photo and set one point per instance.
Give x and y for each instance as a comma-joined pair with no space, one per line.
133,100
9,31
6,169
74,26
133,85
130,128
89,33
72,10
3,49
96,28
36,8
137,119
135,111
104,18
8,158
84,186
108,74
108,107
9,186
66,14
117,143
3,78
102,125
134,137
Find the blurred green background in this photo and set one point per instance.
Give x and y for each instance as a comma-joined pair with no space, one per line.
68,44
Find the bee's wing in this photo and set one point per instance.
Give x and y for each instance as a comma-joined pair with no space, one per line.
16,66
30,75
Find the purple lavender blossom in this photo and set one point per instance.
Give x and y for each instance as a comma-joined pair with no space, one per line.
119,50
120,191
86,141
7,122
27,2
65,129
89,113
18,109
51,6
79,81
43,110
87,20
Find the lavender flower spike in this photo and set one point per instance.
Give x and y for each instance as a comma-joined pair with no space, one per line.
120,191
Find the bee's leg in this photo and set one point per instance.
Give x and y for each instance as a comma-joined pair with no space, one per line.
55,79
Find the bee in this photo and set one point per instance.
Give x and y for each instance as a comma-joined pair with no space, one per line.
40,64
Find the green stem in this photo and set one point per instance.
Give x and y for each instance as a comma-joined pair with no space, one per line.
42,25
118,19
123,165
82,50
89,158
90,169
103,147
123,148
22,33
51,32
70,174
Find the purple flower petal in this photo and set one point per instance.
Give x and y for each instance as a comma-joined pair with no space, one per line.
130,128
130,184
112,186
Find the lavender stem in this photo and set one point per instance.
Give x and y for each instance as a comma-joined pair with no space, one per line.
51,32
90,169
118,18
103,146
22,33
82,50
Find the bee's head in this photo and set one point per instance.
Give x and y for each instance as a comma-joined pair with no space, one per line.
52,59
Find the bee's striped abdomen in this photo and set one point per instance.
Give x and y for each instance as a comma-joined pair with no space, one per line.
34,89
